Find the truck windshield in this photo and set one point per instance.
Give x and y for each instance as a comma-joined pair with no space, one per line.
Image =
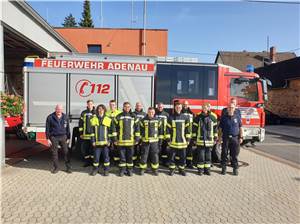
244,89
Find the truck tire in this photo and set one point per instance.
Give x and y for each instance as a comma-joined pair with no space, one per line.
20,133
216,153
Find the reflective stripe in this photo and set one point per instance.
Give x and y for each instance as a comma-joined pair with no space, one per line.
172,166
201,166
129,164
95,164
146,130
106,164
87,157
80,129
177,157
134,157
116,158
132,131
189,158
155,166
143,166
164,156
206,165
121,130
122,165
181,167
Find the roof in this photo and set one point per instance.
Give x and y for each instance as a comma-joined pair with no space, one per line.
280,72
240,60
48,28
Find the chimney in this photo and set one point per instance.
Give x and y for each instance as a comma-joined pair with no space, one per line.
273,54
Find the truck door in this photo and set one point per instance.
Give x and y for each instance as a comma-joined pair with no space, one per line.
43,91
135,89
83,87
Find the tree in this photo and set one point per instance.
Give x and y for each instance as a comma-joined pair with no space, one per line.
86,20
69,21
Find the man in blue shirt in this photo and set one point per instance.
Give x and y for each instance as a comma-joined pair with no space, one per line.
58,134
232,135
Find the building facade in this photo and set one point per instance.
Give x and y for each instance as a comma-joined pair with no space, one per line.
149,42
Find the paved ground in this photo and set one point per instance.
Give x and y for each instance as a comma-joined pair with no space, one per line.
284,130
266,191
281,146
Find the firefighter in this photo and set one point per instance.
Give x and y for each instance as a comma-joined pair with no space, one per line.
103,134
128,135
86,132
231,133
189,151
163,116
204,134
112,113
152,134
178,135
140,114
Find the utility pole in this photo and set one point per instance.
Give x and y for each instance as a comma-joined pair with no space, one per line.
144,30
101,14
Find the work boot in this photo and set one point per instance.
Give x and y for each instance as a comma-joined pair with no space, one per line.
223,172
235,172
207,172
106,173
200,171
68,168
94,171
171,172
182,172
129,172
155,172
54,170
121,172
142,172
86,163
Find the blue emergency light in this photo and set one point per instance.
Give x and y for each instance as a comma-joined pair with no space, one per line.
250,68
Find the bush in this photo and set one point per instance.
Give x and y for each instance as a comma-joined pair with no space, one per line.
11,105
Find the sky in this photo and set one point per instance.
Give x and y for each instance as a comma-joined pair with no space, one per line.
197,28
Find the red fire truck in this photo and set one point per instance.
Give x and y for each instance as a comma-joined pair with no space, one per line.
70,79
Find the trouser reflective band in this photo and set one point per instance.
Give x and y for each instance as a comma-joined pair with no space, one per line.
172,166
129,165
122,165
116,158
143,166
189,158
200,166
181,167
154,166
206,165
87,157
164,156
106,164
177,157
134,157
95,164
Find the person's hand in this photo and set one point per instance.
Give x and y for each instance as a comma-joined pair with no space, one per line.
68,141
49,143
81,136
241,140
94,144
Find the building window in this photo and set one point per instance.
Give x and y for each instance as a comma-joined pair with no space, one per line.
93,48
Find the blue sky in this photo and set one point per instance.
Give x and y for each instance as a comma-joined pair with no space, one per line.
197,28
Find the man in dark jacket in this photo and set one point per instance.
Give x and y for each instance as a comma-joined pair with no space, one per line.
58,134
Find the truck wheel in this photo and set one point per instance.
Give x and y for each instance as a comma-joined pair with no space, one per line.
20,133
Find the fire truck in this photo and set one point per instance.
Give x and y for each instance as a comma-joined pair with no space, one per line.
71,79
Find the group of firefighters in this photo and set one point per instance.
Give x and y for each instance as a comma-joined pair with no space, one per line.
132,139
